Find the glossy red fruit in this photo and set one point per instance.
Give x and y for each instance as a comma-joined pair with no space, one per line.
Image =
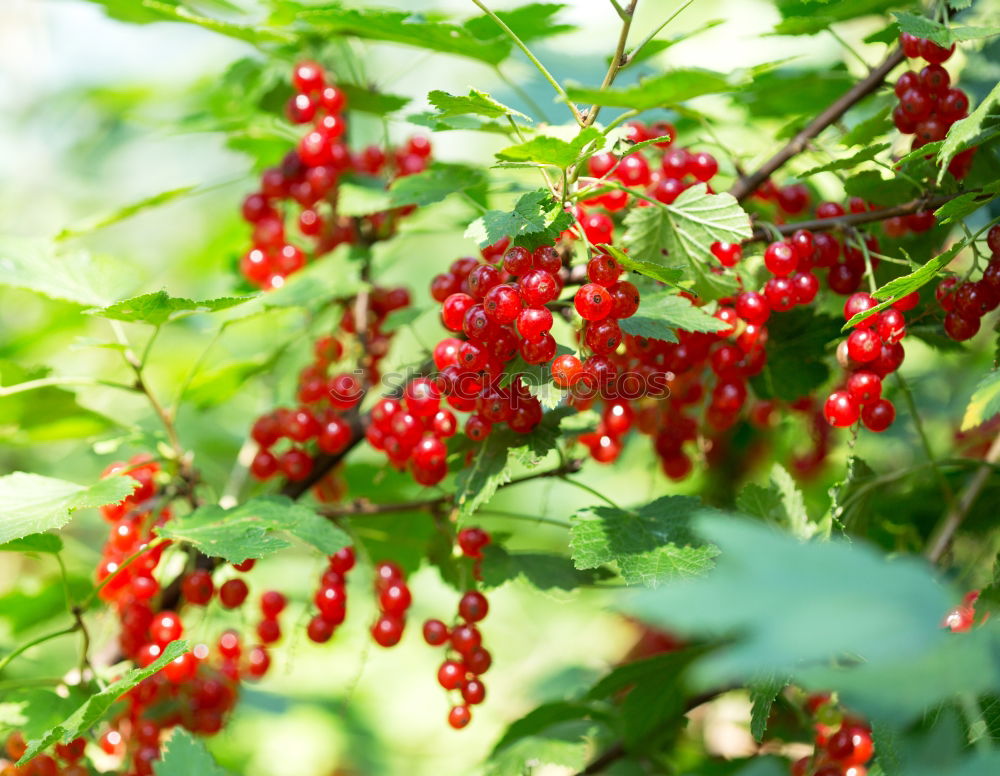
473,692
387,630
840,410
852,744
320,629
451,674
752,307
860,302
197,587
702,166
517,261
780,294
566,370
395,598
908,302
233,593
436,633
781,259
864,387
308,77
805,286
165,627
934,53
533,322
728,254
454,309
959,328
863,345
473,606
486,276
268,631
459,717
593,302
538,287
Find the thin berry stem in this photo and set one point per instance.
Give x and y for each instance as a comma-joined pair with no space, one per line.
946,491
534,60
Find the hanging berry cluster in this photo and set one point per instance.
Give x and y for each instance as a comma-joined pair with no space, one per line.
65,763
966,302
843,743
307,180
324,394
331,597
393,598
928,104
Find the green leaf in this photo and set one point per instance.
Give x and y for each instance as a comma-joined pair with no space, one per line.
334,276
789,604
849,497
551,151
186,755
434,184
533,21
684,232
147,11
669,275
545,571
35,602
39,542
73,276
31,503
369,100
807,17
865,132
660,91
356,199
871,186
409,29
965,205
96,707
159,307
942,34
781,502
796,354
965,130
906,284
34,711
537,218
650,544
479,480
476,103
127,211
763,693
254,529
553,733
848,163
985,402
660,314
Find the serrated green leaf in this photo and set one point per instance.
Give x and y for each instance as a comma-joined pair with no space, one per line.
159,307
73,276
368,100
669,275
850,162
660,91
849,497
660,314
39,542
34,711
685,231
864,132
94,709
185,755
360,199
650,544
545,571
480,479
536,218
475,103
808,17
552,733
942,34
553,151
31,503
533,21
254,529
763,692
906,284
965,205
434,184
964,130
871,186
790,605
985,402
126,211
147,11
796,354
780,502
392,26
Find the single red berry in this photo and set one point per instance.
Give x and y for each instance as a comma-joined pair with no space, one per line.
908,302
387,630
472,540
272,603
752,307
538,287
473,606
863,345
465,637
166,627
864,387
459,717
436,633
342,560
603,270
320,629
538,351
268,631
478,661
702,166
473,692
780,258
860,302
308,77
840,409
934,53
517,261
728,254
502,304
533,322
566,370
806,286
960,328
484,277
780,294
233,593
451,674
546,258
395,598
593,302
454,309
600,164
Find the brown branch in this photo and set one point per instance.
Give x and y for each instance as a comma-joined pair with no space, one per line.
744,187
942,536
617,61
856,219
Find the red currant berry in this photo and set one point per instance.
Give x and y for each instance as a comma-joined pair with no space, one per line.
593,302
473,692
781,259
533,322
473,606
451,674
538,288
752,307
728,254
840,409
387,630
459,717
233,593
436,633
320,629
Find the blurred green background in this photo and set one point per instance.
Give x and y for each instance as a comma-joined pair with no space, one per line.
95,114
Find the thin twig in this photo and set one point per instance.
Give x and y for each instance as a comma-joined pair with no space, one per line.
945,532
649,38
35,642
534,60
744,187
617,60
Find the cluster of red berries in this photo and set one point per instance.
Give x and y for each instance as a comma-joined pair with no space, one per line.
928,105
843,744
965,303
323,395
331,597
502,313
65,763
871,351
467,660
308,178
394,598
471,542
411,430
